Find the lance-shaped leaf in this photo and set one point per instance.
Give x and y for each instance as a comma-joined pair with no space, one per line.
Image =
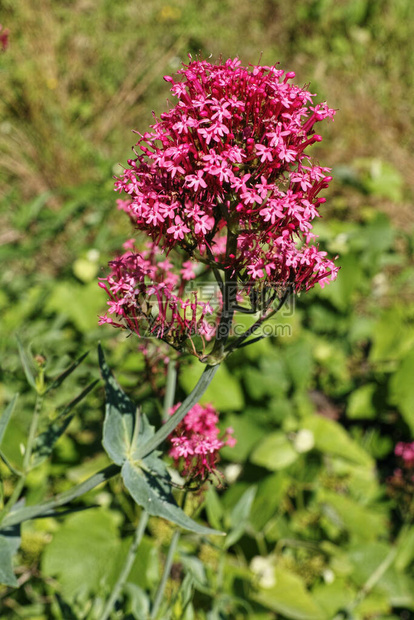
60,379
5,418
153,493
46,441
9,544
240,515
121,420
147,480
28,365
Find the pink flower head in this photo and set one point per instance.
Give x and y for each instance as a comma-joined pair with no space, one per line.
228,166
406,452
147,296
196,441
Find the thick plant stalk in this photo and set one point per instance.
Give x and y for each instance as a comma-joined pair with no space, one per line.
170,388
168,403
126,569
181,412
165,574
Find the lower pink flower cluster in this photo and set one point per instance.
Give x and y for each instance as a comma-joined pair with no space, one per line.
146,292
406,452
196,441
401,483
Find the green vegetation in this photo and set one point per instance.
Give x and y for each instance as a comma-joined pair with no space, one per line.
316,530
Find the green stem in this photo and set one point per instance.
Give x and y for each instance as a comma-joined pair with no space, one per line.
240,341
11,467
32,433
126,569
170,388
170,392
26,460
165,574
372,581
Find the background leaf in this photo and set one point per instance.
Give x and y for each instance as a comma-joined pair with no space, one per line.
274,452
289,597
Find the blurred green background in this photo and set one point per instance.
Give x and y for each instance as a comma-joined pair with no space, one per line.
317,529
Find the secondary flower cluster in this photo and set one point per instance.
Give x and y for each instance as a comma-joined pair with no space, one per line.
401,483
225,174
196,441
146,292
406,452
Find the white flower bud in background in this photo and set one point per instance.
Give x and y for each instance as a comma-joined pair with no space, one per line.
304,441
264,570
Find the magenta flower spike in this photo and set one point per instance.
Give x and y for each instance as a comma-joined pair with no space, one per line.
222,179
231,158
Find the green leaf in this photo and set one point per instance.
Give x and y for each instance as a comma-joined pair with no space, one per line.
153,493
334,596
120,423
332,438
247,432
145,571
360,405
239,516
59,380
393,335
380,178
9,544
298,358
368,559
213,507
138,602
5,418
341,292
28,365
82,551
274,452
80,303
289,597
64,412
270,378
402,389
7,577
363,523
46,441
270,494
405,549
18,515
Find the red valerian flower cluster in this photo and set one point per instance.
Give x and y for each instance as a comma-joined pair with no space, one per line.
146,292
225,174
406,452
196,441
401,483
